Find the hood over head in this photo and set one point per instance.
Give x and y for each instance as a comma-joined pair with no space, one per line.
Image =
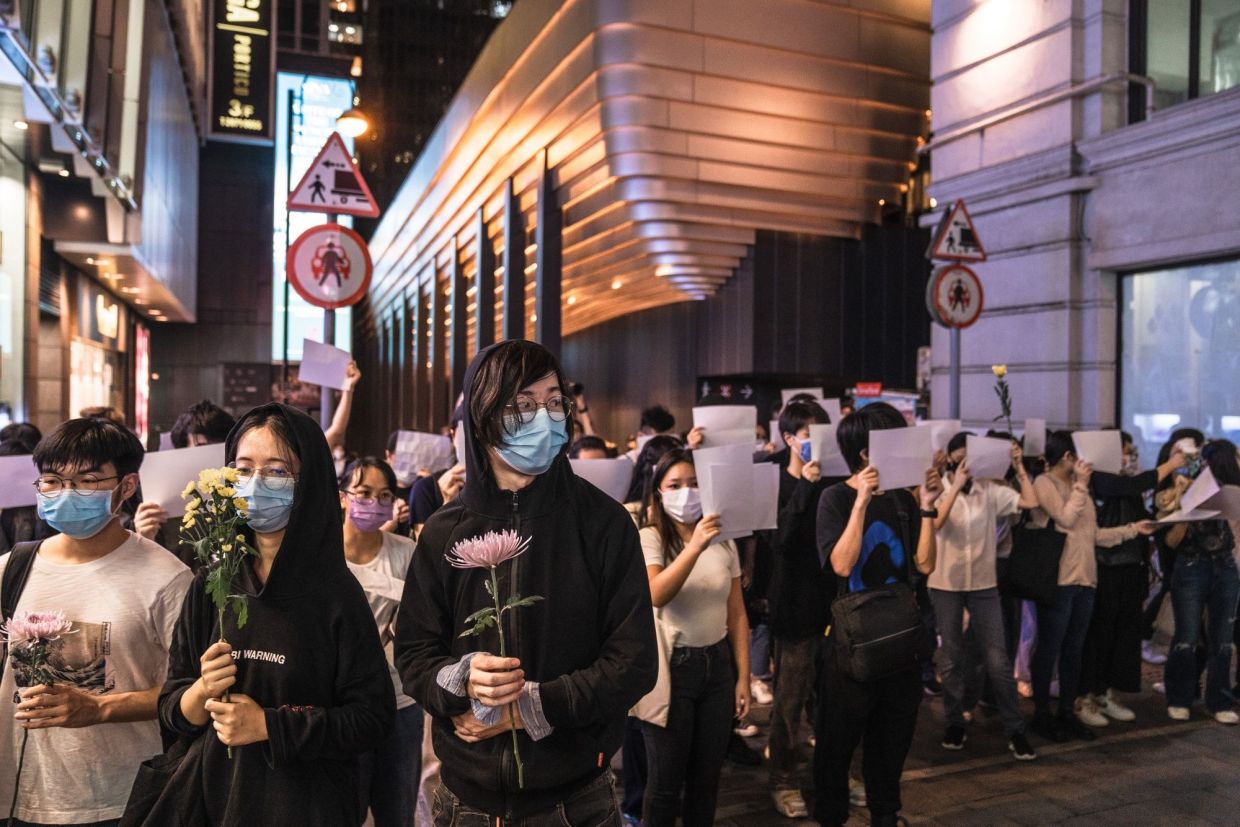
481,494
312,552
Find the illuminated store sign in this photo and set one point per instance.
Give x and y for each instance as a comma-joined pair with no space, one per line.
242,79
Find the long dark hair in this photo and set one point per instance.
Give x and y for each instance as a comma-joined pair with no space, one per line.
654,515
1220,456
647,458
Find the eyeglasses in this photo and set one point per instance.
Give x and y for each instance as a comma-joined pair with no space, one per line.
270,477
526,408
50,485
367,498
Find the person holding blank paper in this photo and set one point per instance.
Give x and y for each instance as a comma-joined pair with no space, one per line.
965,579
697,585
1064,498
871,539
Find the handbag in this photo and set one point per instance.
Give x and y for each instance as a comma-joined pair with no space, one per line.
1033,566
877,631
653,707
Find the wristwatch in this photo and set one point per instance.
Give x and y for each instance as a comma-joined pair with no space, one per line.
931,513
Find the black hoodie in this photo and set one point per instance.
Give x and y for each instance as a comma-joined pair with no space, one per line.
308,654
590,644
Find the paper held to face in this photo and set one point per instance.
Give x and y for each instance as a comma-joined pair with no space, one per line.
901,456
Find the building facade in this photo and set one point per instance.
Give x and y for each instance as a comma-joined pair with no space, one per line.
1095,143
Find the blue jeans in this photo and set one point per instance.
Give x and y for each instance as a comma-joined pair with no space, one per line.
390,772
1061,639
1209,585
760,651
986,623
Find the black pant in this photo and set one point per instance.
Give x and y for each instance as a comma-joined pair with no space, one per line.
1112,658
634,770
881,715
1012,610
688,753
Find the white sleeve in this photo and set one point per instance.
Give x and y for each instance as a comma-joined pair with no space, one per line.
1004,499
734,558
652,547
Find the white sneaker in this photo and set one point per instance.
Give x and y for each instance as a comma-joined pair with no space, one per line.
789,803
1087,712
1178,713
746,730
1227,716
1151,655
1113,709
856,793
1159,687
760,692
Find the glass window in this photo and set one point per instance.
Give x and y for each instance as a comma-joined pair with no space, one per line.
1166,44
1219,61
1180,353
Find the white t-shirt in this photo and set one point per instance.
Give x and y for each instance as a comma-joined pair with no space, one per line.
123,607
967,542
699,611
383,580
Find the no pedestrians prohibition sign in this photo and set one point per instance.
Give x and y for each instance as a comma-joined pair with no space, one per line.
954,296
329,266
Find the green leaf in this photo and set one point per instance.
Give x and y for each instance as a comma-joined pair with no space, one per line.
521,601
487,583
478,615
241,607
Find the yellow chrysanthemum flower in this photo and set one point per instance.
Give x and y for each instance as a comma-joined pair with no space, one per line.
999,370
192,505
226,547
242,505
189,489
230,474
226,491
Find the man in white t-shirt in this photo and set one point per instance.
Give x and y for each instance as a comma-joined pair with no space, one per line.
89,730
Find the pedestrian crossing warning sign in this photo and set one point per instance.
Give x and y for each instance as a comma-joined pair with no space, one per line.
333,184
956,239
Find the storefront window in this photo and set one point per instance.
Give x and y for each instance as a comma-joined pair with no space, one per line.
12,258
1191,48
1220,46
1180,353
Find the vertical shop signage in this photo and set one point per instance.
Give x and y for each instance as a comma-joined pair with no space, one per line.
243,71
141,381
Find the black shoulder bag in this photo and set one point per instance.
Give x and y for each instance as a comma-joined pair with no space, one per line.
1033,565
878,631
16,573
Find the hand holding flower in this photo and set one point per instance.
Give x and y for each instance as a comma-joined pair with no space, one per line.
44,707
238,721
495,681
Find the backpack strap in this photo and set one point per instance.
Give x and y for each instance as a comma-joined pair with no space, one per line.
16,573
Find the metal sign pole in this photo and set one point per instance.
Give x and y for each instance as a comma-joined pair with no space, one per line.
954,389
327,399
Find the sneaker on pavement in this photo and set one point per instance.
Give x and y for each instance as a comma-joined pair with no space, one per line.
1018,745
1087,712
856,792
1112,708
1227,716
789,803
761,692
1151,655
1178,713
954,738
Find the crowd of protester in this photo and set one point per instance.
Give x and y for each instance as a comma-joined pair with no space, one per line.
365,685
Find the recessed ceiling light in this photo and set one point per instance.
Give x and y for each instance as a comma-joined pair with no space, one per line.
617,284
533,317
63,173
19,124
140,302
131,290
572,300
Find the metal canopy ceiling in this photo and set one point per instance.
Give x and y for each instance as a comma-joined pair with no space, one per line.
675,130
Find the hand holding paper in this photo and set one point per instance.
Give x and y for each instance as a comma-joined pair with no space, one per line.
825,450
989,459
1102,449
901,456
323,364
726,424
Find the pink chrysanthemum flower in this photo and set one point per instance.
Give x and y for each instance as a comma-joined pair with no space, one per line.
36,628
487,551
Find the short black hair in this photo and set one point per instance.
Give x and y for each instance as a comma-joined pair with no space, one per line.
391,443
1125,438
23,432
658,419
959,441
13,448
356,469
796,415
1058,445
802,397
1220,456
509,367
204,418
89,442
588,443
853,434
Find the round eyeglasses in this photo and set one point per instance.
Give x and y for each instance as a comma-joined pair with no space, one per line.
50,485
271,477
526,408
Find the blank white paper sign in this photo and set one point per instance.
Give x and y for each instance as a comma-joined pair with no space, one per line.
1103,449
825,450
612,476
832,407
415,450
1204,488
989,458
726,424
17,478
323,364
738,457
902,456
1227,500
164,474
1035,438
942,431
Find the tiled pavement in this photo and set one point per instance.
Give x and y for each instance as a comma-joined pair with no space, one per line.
1149,772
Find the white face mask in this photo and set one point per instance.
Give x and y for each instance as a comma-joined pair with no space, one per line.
684,505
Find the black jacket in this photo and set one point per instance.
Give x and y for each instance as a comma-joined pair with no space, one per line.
589,644
1120,500
801,589
308,654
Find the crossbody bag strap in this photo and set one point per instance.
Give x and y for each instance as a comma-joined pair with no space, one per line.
16,574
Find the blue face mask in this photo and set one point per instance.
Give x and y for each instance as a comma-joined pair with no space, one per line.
534,445
77,514
806,450
269,507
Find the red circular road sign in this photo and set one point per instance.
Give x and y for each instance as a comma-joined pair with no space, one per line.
329,266
954,296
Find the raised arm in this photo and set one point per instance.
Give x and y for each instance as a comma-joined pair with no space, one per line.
1063,512
340,421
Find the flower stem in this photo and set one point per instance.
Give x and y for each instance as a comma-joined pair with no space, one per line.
17,782
512,707
222,640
